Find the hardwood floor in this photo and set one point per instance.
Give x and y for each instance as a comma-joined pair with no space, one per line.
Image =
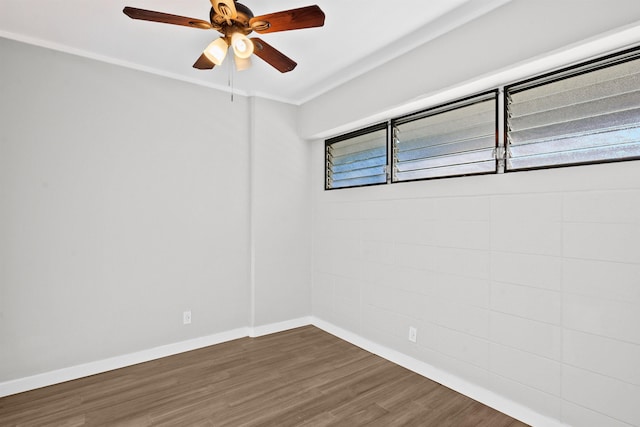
301,377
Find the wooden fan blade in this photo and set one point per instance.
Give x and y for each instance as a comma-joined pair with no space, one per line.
272,56
294,19
150,15
203,63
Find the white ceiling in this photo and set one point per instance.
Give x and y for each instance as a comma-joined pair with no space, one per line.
357,36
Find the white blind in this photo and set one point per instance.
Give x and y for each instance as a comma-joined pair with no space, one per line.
457,139
357,159
590,116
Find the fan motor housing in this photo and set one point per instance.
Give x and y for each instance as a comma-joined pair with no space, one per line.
240,23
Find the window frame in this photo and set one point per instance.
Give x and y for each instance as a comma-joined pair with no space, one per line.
575,70
443,108
501,96
353,134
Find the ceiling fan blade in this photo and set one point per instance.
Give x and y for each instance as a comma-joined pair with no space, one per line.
150,15
294,19
272,56
203,63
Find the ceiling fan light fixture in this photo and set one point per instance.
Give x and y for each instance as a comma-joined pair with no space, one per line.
216,51
242,63
234,21
242,46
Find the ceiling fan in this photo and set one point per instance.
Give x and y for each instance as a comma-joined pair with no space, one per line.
235,21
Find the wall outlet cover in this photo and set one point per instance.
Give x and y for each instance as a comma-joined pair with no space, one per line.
413,334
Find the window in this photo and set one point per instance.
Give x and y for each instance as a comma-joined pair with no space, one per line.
450,140
357,159
587,113
584,114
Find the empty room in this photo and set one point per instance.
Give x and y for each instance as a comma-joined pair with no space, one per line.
320,213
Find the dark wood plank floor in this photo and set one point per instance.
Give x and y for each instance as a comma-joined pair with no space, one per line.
301,377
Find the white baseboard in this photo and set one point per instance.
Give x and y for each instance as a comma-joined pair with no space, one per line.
74,372
449,380
79,371
453,382
272,328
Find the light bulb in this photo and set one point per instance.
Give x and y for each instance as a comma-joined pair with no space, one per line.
216,51
242,46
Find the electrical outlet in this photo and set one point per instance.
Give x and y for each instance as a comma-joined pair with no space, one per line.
413,334
186,317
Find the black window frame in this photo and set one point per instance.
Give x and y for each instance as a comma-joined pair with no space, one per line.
563,73
501,150
363,131
443,108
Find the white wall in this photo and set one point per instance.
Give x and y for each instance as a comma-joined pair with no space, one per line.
524,284
281,215
124,200
128,198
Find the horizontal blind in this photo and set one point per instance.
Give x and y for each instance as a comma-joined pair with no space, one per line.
456,139
357,159
592,115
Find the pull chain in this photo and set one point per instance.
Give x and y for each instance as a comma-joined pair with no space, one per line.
230,81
